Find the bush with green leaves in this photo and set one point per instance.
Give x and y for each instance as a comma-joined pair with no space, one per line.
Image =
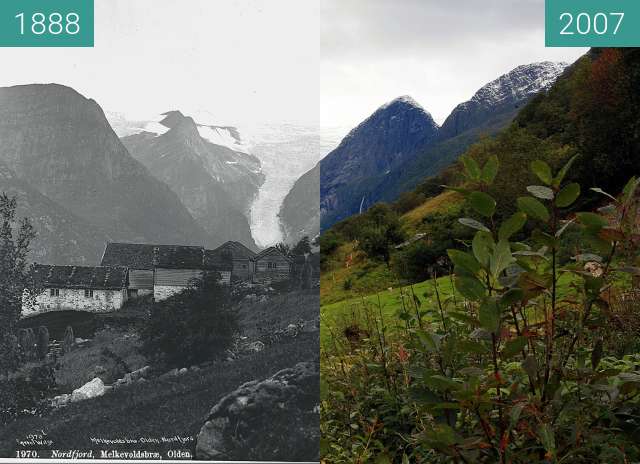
516,365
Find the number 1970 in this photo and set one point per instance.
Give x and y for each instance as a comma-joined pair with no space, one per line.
54,24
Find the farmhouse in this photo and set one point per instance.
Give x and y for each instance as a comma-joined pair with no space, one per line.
235,255
79,288
271,265
138,257
178,267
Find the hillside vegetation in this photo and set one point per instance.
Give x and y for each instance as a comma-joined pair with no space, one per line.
520,341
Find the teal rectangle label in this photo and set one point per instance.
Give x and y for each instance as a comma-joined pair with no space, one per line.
46,23
592,23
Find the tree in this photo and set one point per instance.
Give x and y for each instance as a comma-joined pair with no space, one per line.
383,230
302,247
14,279
283,248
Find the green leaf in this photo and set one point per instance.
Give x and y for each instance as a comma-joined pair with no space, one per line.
490,170
557,181
473,224
512,296
470,287
592,220
471,167
464,260
547,439
489,315
501,258
482,203
630,189
542,170
464,192
512,225
539,191
514,415
482,245
533,208
568,195
513,347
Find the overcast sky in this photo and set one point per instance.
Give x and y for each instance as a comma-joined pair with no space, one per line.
438,51
239,60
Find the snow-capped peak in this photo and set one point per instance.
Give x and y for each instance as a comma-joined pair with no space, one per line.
521,82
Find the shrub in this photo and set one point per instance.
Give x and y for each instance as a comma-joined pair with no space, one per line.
519,364
191,327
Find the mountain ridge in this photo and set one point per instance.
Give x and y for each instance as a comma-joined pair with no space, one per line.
492,107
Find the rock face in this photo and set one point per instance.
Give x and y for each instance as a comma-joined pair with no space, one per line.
88,390
387,139
61,145
62,237
299,213
506,93
215,183
275,419
396,148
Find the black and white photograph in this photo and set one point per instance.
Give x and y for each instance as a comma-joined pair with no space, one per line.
159,227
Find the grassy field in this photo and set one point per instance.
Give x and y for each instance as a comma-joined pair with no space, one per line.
336,316
169,406
157,408
363,276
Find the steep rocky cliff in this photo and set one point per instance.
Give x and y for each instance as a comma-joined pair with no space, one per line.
61,236
387,139
215,183
60,144
299,214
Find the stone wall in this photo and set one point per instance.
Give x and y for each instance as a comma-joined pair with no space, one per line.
74,299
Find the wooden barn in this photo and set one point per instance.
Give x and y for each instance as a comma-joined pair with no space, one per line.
176,268
270,265
77,288
233,255
138,257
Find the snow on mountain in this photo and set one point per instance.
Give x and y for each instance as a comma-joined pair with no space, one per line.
506,93
286,151
521,82
225,136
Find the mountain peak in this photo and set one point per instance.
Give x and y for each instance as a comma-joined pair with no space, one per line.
520,83
504,94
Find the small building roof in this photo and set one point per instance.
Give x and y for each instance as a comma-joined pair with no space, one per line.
270,252
132,255
89,277
237,250
179,257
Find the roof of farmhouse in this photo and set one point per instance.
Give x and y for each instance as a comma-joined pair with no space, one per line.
179,257
271,251
132,255
237,250
148,256
93,277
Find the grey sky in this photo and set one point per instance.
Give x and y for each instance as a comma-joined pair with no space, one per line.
240,60
438,51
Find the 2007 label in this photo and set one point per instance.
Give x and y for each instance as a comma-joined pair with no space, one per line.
584,23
